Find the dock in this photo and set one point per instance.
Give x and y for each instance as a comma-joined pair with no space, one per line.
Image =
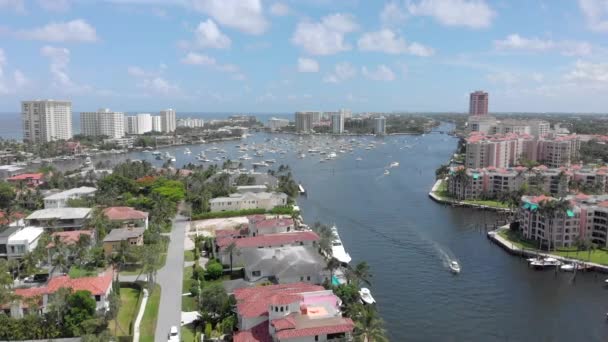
526,253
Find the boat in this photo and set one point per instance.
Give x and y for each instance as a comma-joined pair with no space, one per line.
568,267
366,296
187,151
387,172
539,263
301,189
156,153
270,161
337,248
394,164
260,164
87,161
454,266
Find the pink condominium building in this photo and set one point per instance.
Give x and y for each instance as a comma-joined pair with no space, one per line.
478,103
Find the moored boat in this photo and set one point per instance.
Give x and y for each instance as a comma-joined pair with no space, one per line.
366,296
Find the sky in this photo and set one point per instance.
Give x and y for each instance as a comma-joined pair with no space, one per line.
271,56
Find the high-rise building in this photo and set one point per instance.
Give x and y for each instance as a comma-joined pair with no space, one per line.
102,123
346,113
144,123
337,123
167,120
157,123
478,103
190,122
131,124
304,121
380,125
274,123
46,120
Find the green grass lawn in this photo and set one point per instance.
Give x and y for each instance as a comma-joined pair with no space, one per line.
187,281
187,333
129,305
148,323
489,203
136,269
77,272
189,304
189,255
598,256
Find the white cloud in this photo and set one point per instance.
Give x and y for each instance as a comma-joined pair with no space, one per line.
14,5
308,65
136,71
342,72
325,37
159,85
244,15
387,41
2,62
20,79
515,42
392,14
468,13
208,35
198,59
267,97
382,73
279,9
72,31
503,77
596,14
587,72
55,5
60,58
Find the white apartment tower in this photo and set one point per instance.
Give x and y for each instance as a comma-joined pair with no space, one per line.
168,121
131,124
337,123
380,125
46,120
304,121
102,123
144,123
156,123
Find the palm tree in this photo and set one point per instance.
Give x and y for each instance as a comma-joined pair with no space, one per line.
332,265
326,238
231,249
369,327
359,274
462,178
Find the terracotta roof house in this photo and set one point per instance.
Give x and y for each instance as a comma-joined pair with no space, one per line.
99,286
29,179
69,238
127,216
293,312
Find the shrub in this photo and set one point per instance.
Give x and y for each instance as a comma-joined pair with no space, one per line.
194,290
214,271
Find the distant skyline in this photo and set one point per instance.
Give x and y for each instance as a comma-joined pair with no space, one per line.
280,56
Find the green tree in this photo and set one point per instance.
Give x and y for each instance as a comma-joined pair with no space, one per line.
81,307
359,274
7,195
369,327
232,249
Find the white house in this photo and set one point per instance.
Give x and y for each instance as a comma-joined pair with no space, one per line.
248,200
60,199
17,240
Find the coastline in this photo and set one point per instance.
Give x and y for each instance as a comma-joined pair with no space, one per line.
512,249
455,203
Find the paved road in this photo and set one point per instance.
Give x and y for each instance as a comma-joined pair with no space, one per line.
170,280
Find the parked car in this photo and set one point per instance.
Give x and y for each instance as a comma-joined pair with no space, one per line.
173,334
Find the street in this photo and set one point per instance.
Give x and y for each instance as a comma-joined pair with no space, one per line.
170,280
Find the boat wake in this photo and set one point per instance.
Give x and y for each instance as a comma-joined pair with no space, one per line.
445,255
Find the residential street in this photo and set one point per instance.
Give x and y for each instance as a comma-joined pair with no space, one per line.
170,280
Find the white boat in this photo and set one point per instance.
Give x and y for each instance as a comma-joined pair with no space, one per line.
394,164
387,172
87,161
337,248
260,164
270,161
567,267
156,153
187,151
454,266
366,296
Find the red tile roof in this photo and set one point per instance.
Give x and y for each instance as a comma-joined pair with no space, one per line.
347,325
220,233
70,237
287,322
96,285
285,299
268,240
254,302
259,333
124,213
26,176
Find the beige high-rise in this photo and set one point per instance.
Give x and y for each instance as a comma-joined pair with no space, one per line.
46,120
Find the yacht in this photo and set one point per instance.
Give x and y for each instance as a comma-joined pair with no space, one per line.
539,263
454,266
570,267
156,153
337,248
366,296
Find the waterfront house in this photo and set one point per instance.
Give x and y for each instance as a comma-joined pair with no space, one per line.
301,238
263,225
60,199
127,216
60,219
283,265
293,312
31,180
249,200
132,236
99,286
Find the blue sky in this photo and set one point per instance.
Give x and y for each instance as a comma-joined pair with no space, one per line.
288,55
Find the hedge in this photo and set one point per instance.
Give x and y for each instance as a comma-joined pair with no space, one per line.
225,214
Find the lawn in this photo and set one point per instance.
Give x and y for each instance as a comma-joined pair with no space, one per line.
187,281
187,333
129,305
189,255
135,269
148,323
77,272
442,191
598,256
189,304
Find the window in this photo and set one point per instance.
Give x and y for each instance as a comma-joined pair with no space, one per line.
308,278
281,309
97,298
316,337
256,273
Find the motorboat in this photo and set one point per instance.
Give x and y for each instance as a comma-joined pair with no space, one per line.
260,164
337,249
187,151
394,164
87,161
454,266
156,153
546,262
366,296
387,172
568,267
270,161
359,159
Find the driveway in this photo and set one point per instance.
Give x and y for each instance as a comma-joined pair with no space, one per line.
170,280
